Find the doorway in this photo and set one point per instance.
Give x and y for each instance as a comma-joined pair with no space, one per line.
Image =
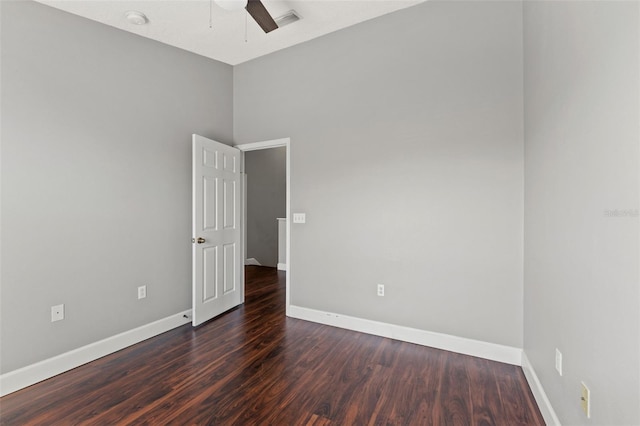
259,146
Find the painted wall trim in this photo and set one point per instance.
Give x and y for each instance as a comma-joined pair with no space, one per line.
282,266
254,146
548,413
34,373
491,351
252,261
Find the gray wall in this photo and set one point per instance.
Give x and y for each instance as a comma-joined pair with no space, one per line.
407,157
96,186
266,200
581,266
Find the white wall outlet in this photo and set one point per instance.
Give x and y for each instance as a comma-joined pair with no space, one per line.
57,313
585,399
142,292
299,218
559,361
380,289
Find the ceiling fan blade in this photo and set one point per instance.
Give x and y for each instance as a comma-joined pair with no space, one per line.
260,14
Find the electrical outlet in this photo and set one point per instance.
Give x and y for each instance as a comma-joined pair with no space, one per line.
57,313
142,292
559,361
585,399
380,289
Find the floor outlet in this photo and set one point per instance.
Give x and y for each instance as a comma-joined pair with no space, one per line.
559,361
585,400
57,313
142,292
380,289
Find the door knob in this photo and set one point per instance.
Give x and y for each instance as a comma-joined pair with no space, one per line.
200,240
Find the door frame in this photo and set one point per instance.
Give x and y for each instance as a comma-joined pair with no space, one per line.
255,146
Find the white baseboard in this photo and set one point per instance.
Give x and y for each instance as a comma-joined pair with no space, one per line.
31,374
252,261
282,266
492,351
548,413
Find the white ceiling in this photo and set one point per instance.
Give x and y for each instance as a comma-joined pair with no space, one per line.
185,23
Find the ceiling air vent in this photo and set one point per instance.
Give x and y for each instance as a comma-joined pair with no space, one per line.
288,18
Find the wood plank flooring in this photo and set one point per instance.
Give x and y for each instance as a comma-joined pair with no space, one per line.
254,366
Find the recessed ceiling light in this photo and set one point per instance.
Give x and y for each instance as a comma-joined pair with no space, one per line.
136,18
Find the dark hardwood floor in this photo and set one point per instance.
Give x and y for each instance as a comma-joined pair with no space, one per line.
254,366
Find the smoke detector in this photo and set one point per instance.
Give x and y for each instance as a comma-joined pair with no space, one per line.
136,18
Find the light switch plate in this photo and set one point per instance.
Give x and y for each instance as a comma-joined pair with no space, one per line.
299,218
559,361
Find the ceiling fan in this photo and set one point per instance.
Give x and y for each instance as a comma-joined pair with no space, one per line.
255,8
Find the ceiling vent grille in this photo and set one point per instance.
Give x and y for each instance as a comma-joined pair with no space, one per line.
288,18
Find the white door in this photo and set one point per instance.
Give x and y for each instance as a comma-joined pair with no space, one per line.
218,282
